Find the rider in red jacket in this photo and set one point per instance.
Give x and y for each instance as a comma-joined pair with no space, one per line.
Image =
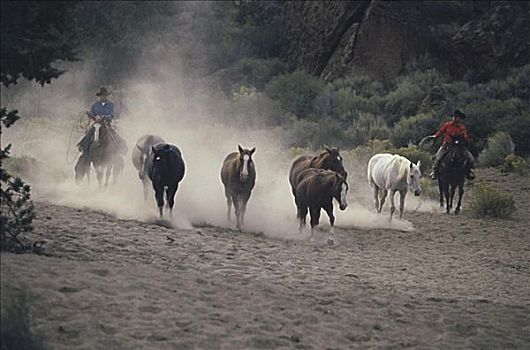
451,129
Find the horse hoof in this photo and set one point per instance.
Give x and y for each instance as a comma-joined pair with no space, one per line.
457,211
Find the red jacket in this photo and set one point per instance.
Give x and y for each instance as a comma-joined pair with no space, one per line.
451,129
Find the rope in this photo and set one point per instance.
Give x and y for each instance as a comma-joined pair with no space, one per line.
77,127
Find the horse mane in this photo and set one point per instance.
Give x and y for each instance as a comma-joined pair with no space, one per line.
404,166
318,160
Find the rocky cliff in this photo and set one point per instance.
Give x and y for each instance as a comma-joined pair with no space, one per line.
385,38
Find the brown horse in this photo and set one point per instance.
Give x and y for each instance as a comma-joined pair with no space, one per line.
238,175
140,153
329,159
315,190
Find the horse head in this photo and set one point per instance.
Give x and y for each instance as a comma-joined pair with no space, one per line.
340,191
330,159
455,157
244,162
143,157
100,132
414,178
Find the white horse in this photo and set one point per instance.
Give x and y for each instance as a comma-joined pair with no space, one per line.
392,173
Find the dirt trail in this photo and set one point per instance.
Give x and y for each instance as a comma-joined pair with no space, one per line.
108,283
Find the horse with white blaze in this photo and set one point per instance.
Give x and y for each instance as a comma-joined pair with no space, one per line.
392,173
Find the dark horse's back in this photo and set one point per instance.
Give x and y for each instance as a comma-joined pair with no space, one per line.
314,187
165,164
330,159
165,168
143,147
300,164
453,165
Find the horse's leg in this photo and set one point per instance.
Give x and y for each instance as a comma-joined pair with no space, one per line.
108,169
99,174
441,191
329,210
236,202
228,205
460,195
453,190
315,217
447,198
402,195
244,201
302,209
159,196
382,199
116,171
375,196
392,204
170,197
146,188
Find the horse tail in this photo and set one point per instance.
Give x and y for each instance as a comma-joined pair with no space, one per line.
369,171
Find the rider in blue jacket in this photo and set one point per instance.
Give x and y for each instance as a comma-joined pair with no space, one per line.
101,110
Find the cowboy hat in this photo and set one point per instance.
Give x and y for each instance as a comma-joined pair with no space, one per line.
458,113
102,92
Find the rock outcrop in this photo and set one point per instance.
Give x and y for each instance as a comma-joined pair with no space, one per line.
385,38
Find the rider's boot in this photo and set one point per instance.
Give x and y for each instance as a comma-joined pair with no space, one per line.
470,173
434,172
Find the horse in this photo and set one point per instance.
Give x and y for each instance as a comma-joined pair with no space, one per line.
165,168
394,173
238,175
103,153
452,173
329,159
315,190
140,154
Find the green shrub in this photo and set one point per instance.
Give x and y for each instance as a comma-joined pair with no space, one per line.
330,132
429,189
358,157
257,72
413,129
490,201
350,102
514,164
300,133
518,126
296,92
405,100
16,209
361,85
499,146
414,154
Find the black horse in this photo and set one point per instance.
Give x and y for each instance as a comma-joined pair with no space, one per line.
165,168
452,173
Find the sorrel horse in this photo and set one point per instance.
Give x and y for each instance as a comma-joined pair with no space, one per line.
238,175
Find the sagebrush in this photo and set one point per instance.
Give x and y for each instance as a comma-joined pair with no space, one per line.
488,201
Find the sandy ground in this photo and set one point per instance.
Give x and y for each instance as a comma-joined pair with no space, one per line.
451,282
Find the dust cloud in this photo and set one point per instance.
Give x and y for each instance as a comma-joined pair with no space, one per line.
188,115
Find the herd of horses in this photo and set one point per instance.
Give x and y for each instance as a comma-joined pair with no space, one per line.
315,179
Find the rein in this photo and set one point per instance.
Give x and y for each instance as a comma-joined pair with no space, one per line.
78,126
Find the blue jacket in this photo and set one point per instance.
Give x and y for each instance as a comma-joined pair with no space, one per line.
105,109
